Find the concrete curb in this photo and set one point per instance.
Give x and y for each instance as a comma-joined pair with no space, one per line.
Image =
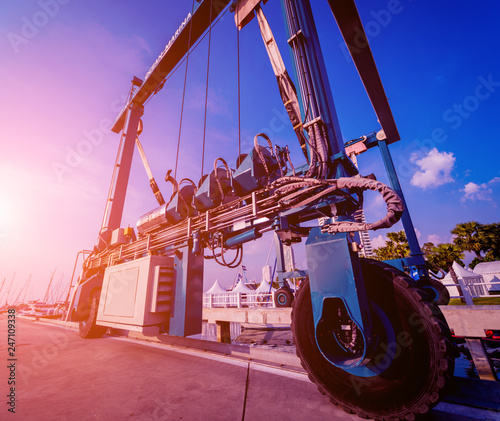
248,353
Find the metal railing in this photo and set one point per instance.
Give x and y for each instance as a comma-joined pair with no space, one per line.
469,288
239,300
472,289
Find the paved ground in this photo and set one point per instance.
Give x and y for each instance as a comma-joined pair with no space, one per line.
60,376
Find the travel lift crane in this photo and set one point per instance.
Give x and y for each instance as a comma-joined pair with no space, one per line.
371,337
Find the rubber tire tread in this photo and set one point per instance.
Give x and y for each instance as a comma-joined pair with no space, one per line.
444,348
89,329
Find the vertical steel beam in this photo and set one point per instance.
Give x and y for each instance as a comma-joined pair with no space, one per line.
309,65
186,317
280,261
405,218
116,199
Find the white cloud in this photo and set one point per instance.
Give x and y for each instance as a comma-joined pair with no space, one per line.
374,206
473,191
377,203
379,241
494,180
435,169
434,238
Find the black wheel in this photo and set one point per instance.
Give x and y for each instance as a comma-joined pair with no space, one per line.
437,292
283,297
412,360
88,329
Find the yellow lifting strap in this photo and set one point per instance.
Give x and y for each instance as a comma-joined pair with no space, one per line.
152,182
285,84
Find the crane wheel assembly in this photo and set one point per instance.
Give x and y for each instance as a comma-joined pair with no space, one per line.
88,328
411,362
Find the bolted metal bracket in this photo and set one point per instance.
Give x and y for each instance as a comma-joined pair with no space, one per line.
339,301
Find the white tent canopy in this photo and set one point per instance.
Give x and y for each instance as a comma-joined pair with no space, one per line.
464,272
488,267
468,277
490,272
264,288
216,289
242,288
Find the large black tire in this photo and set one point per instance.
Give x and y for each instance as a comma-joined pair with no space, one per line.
437,292
283,297
88,328
409,372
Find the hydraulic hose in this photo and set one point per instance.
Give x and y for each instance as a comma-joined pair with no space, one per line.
297,191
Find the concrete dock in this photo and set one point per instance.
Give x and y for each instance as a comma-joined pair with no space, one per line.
60,376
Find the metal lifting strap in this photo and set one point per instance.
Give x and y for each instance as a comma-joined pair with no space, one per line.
183,98
216,175
285,84
261,156
206,92
152,181
238,62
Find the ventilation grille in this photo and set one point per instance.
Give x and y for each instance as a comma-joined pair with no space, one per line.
164,290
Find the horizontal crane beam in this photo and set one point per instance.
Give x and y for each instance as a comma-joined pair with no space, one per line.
188,33
347,17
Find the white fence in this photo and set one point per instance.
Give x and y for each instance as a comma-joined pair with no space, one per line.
472,289
238,300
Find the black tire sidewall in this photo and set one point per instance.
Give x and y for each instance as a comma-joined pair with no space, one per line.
283,293
440,292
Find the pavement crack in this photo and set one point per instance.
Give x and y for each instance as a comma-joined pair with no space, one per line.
246,393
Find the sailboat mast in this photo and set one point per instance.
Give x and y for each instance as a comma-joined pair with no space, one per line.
26,290
20,292
10,287
46,296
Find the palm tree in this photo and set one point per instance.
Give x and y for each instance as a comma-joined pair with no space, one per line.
427,249
400,243
467,237
386,253
443,256
483,240
490,239
396,247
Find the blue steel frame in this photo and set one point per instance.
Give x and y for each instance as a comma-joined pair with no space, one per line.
314,87
339,276
416,258
333,277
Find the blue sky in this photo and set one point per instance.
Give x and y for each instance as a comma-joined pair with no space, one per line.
66,66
